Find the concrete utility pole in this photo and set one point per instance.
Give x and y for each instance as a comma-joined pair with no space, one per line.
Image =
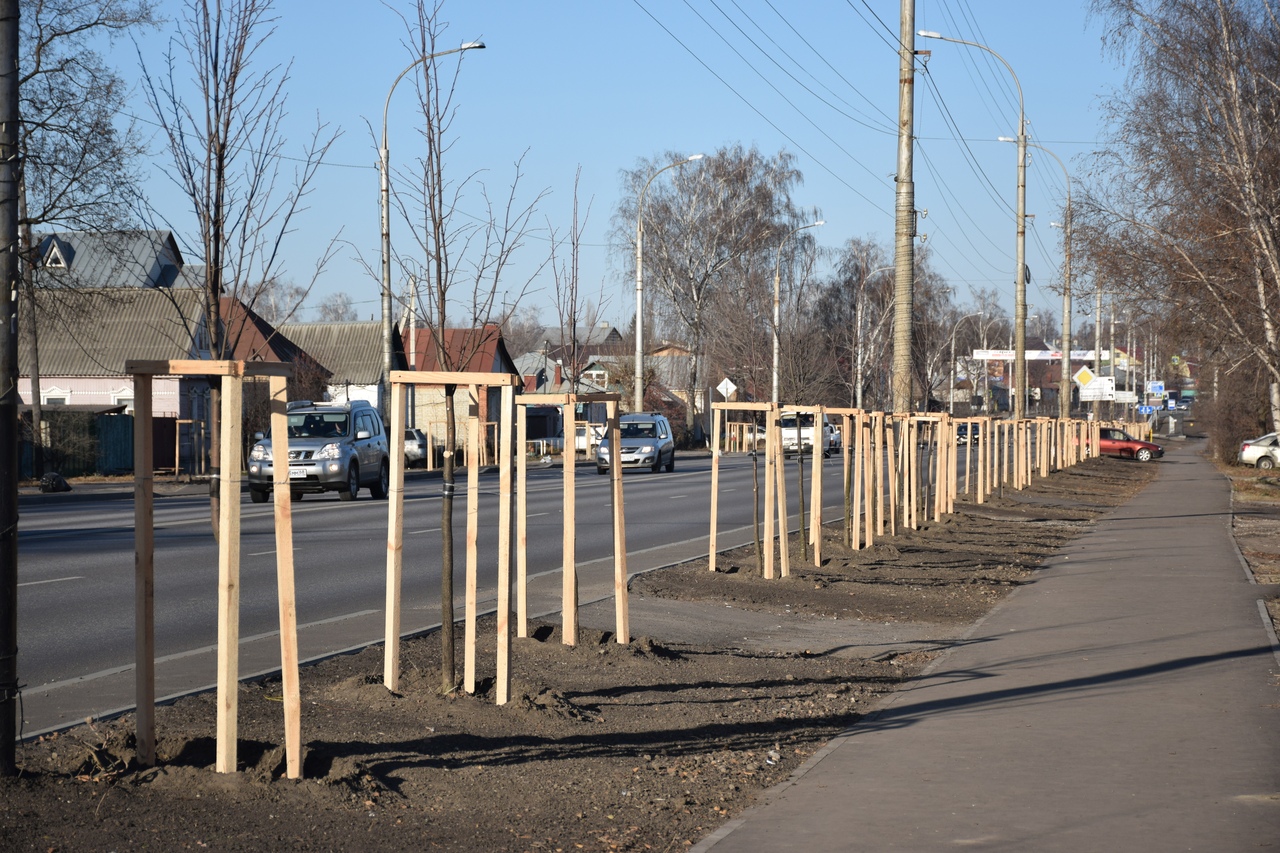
9,395
904,212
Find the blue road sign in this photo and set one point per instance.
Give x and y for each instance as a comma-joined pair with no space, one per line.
1146,410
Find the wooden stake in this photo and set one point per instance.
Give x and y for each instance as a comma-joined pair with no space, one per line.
622,610
473,537
502,681
770,486
285,589
716,416
522,522
395,542
229,574
815,487
784,518
569,570
144,550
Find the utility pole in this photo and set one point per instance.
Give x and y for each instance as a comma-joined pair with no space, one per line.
9,394
904,212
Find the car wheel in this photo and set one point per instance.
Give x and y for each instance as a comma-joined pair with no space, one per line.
382,487
1266,462
353,485
1143,455
295,496
671,463
601,470
258,496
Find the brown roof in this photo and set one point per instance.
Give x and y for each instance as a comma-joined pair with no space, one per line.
481,350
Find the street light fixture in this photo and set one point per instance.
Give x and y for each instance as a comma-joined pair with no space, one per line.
384,167
777,309
637,397
1020,295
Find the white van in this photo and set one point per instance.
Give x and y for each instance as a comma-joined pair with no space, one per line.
798,433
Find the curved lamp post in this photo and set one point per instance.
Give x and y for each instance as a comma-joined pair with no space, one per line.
384,163
637,397
1020,295
777,310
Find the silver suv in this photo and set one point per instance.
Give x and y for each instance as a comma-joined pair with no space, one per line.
333,447
647,442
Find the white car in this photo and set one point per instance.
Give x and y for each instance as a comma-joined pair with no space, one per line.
647,442
1261,452
798,434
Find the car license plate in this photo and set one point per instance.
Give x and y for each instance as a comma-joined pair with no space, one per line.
297,473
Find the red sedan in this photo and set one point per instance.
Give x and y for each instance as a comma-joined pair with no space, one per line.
1117,442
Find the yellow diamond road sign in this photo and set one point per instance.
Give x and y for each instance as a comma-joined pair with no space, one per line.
1083,376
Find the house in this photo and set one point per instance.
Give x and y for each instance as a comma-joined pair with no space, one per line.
353,354
84,337
479,350
111,259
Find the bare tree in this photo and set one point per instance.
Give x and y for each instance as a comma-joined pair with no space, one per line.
522,330
1183,208
699,227
453,255
853,306
578,315
337,307
226,143
76,161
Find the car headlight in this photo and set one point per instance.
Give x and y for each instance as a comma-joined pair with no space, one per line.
260,453
648,448
602,451
329,451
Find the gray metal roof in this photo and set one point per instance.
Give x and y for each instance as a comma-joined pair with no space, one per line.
110,259
351,351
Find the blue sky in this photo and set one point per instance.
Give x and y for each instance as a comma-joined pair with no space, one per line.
598,84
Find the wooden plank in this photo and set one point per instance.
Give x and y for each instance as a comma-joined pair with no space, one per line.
784,519
395,544
846,458
522,522
473,539
716,417
569,559
770,486
621,600
742,407
229,575
815,489
285,585
447,377
502,681
144,551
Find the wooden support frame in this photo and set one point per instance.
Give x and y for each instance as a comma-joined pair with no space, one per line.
569,570
233,374
473,381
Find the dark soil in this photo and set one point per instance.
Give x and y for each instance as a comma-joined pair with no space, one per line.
644,746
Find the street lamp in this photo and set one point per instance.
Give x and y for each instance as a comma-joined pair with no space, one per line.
951,390
384,166
1020,295
777,310
637,399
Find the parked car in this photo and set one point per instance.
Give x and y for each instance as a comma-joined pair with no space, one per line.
333,447
800,435
1117,442
647,442
1261,452
415,448
968,433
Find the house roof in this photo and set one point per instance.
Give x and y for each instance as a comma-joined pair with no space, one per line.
94,332
481,350
351,351
110,259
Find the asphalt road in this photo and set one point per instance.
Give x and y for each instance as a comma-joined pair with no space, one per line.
77,563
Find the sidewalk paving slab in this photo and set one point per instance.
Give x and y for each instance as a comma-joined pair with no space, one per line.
1127,699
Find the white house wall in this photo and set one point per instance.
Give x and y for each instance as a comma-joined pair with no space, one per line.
108,391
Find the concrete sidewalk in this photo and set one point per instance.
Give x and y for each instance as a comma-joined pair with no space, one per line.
1129,699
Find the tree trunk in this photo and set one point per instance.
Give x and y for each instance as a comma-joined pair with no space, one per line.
448,682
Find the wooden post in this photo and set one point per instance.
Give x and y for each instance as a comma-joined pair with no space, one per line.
891,452
784,517
569,570
815,487
846,457
502,680
395,542
144,551
229,573
770,486
716,416
285,589
473,537
622,609
522,522
877,481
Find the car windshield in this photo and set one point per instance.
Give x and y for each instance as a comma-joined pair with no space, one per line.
319,425
640,429
789,421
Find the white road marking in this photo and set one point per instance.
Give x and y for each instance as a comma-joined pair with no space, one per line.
53,580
